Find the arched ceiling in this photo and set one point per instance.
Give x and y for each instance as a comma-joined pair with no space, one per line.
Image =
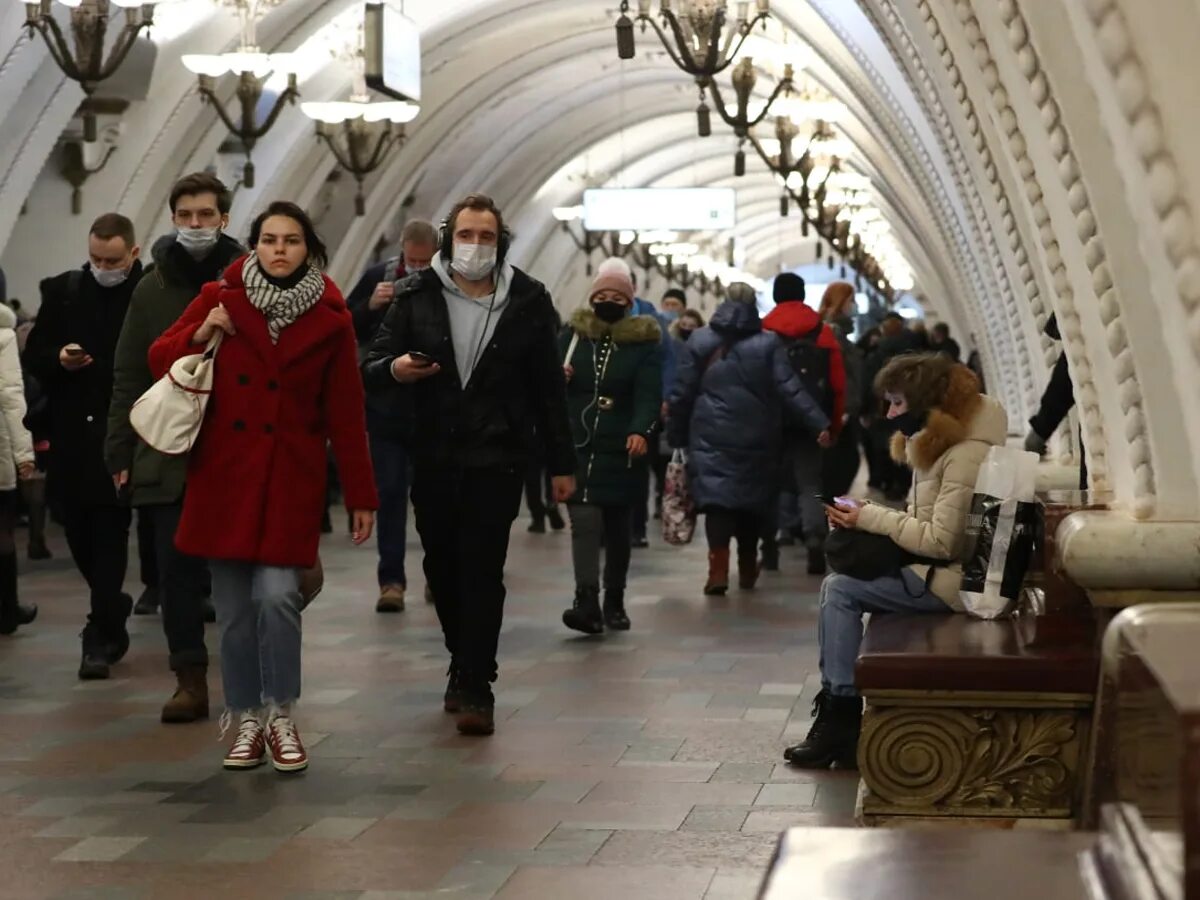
1013,189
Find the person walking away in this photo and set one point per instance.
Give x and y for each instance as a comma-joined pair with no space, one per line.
841,462
816,356
286,383
1057,401
614,394
71,352
16,462
389,426
945,429
487,386
734,386
194,253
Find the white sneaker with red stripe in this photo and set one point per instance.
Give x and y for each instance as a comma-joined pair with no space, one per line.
249,748
287,752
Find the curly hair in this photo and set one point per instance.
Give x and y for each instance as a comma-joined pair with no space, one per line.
924,379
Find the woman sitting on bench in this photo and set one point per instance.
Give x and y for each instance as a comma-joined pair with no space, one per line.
944,429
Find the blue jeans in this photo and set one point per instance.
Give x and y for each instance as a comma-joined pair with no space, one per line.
840,629
258,612
390,460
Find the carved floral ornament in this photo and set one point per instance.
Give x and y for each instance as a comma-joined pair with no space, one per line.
943,759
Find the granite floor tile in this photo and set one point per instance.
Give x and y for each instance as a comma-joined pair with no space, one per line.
641,766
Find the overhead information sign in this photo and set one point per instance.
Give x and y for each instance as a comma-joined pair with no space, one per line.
655,209
392,44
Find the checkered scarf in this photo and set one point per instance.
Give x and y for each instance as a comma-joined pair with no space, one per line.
281,306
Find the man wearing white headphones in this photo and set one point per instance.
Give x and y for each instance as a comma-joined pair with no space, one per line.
473,341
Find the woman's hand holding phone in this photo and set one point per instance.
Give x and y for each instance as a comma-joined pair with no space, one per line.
842,512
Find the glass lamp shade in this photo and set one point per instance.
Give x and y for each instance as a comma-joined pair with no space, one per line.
397,111
205,64
257,64
333,112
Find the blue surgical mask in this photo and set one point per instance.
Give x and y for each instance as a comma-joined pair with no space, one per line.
670,315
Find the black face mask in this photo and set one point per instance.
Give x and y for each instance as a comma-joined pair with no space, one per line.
909,423
609,311
685,333
845,323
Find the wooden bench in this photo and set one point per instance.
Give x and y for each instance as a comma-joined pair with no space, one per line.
968,720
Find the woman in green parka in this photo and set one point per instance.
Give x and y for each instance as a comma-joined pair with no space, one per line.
613,364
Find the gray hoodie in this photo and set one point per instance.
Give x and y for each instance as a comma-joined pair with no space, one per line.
472,320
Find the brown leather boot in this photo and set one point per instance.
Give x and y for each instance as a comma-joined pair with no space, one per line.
718,573
748,572
189,703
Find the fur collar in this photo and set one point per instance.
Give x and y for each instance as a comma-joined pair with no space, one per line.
630,330
949,424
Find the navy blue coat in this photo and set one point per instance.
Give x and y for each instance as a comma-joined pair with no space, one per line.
728,411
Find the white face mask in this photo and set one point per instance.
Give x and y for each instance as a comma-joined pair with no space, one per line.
474,262
110,278
198,241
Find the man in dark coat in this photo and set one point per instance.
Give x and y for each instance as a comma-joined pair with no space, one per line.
71,352
196,252
941,342
388,425
473,342
896,341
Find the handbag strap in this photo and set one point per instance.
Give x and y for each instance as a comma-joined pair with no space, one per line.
214,344
571,348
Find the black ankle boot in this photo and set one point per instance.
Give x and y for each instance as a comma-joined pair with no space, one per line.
833,738
452,701
615,616
12,613
584,615
555,518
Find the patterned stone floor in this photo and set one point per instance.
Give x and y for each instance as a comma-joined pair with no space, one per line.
644,765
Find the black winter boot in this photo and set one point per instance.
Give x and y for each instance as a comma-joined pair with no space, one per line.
12,613
833,738
452,701
585,615
477,713
615,616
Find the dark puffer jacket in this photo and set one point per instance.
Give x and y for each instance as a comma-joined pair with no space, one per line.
734,387
615,391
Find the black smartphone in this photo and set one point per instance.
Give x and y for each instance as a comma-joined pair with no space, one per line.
422,357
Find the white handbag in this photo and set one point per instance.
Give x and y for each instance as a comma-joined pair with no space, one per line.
169,415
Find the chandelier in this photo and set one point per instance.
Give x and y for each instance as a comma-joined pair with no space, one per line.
253,68
359,132
87,65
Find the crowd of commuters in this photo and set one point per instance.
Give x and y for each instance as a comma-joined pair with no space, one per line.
448,377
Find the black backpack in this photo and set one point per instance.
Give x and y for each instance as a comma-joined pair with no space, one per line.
811,363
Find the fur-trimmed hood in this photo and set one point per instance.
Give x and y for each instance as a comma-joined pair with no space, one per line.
963,415
630,330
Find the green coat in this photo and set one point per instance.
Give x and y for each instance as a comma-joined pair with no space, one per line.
160,298
626,401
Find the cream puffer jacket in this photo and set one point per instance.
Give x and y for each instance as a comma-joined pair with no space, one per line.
16,445
945,457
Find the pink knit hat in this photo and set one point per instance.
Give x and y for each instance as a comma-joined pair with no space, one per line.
613,280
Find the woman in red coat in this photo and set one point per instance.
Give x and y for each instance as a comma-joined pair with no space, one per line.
286,383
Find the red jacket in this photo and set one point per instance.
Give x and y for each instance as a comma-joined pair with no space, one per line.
256,477
795,320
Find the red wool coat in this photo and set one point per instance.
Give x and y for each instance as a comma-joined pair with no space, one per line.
257,474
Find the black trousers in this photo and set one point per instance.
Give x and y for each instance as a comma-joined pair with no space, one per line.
721,526
539,492
657,465
148,563
183,584
464,517
98,537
